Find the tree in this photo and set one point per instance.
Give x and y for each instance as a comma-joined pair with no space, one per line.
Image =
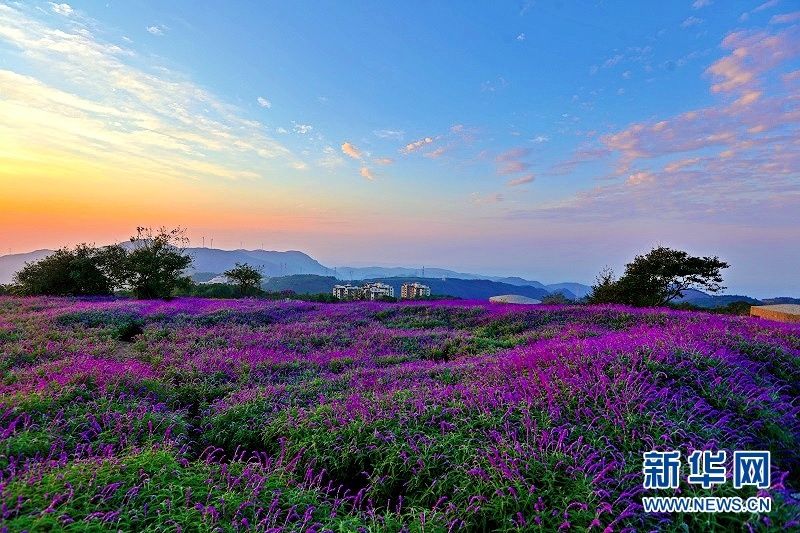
246,277
556,298
152,265
659,277
66,272
605,289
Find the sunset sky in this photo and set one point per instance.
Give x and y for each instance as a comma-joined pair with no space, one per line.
544,139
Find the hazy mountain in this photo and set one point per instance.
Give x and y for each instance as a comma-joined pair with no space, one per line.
12,263
206,261
514,280
212,260
301,284
578,289
781,300
348,273
702,299
298,271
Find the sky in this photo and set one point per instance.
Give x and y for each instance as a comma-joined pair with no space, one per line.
544,139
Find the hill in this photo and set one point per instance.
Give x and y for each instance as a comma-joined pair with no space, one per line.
710,301
531,407
206,262
272,263
579,290
781,300
301,284
468,289
12,263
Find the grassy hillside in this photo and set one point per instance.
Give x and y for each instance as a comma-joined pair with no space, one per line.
251,415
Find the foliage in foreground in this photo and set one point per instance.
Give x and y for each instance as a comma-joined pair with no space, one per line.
253,415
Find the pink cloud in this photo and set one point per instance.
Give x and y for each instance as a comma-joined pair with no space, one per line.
512,167
752,54
366,173
785,18
383,161
416,145
514,153
350,150
436,154
527,178
719,162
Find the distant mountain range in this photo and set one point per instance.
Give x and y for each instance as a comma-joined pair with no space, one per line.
206,260
297,271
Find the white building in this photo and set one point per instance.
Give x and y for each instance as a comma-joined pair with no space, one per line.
347,292
375,291
414,290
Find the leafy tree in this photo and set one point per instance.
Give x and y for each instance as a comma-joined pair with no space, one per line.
556,298
66,272
659,277
152,265
605,289
246,277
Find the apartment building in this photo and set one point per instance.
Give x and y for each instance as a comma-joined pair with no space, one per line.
414,290
375,291
347,292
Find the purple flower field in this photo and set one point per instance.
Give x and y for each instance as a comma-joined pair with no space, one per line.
251,415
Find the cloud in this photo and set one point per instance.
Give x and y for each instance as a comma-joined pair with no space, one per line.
351,151
527,178
512,154
366,173
436,154
486,199
157,29
389,134
61,9
302,129
263,102
698,4
510,162
717,163
785,18
521,37
116,115
762,7
613,60
383,161
753,53
541,139
416,145
691,21
330,158
512,167
748,98
493,86
639,178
